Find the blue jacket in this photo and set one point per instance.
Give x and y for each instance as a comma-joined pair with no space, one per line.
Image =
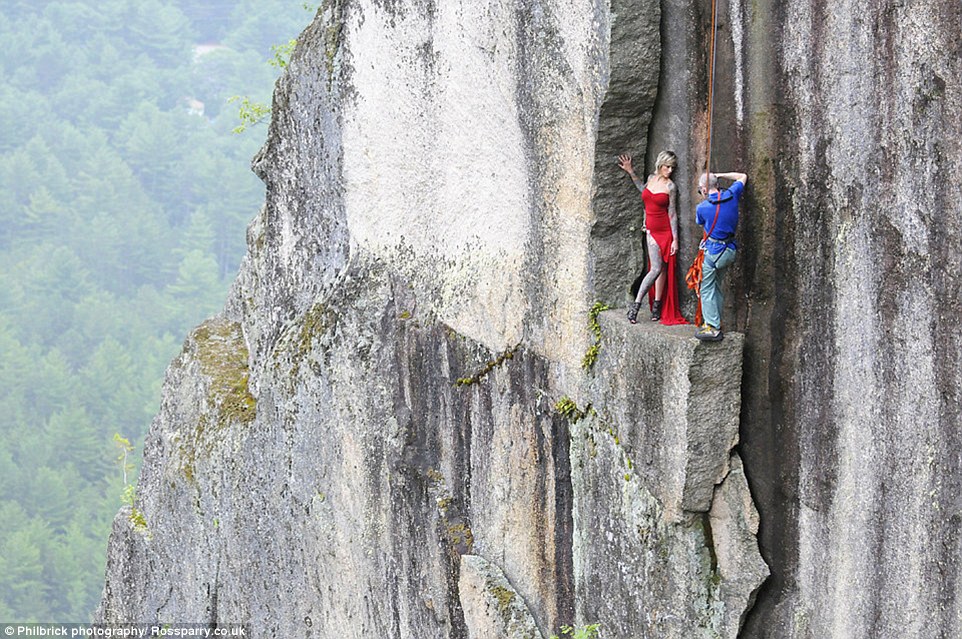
723,234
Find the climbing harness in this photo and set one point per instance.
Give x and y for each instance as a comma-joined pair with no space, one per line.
693,277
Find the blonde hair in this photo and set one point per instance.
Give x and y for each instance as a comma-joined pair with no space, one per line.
666,158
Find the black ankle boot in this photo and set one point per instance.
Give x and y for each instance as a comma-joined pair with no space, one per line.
656,311
633,312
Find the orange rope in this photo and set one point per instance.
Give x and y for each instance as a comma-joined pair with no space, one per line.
711,88
693,277
693,281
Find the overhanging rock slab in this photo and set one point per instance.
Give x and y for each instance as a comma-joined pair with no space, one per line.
664,525
675,401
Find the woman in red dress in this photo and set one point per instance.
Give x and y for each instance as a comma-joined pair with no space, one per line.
661,228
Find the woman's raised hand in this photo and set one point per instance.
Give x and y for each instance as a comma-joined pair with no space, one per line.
624,161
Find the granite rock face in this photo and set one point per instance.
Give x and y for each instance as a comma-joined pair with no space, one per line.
369,435
846,118
617,239
378,397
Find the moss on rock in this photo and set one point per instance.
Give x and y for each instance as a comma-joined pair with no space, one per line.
222,355
219,349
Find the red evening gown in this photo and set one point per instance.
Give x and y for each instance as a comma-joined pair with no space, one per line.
658,224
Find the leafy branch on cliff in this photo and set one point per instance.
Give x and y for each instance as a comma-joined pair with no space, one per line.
129,496
282,54
253,113
125,447
250,113
588,361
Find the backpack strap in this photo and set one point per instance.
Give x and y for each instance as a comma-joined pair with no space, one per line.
715,221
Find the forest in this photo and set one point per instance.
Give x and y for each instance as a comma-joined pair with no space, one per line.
124,198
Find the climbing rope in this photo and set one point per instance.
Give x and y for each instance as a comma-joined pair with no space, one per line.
693,277
711,88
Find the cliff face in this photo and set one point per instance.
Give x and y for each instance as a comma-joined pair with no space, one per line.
389,431
845,117
854,336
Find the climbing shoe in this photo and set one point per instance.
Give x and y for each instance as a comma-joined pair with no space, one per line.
708,334
656,310
633,312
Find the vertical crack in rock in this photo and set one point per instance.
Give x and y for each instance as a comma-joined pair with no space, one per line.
493,609
632,74
739,567
564,523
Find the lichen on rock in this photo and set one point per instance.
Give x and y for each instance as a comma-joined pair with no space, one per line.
219,349
222,354
492,607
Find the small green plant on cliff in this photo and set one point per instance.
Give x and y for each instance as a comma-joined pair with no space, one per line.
252,113
129,495
591,631
139,521
125,448
567,408
282,54
588,361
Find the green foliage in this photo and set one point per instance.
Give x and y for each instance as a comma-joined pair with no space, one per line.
123,207
250,113
567,408
588,361
282,54
591,631
125,449
138,520
129,495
